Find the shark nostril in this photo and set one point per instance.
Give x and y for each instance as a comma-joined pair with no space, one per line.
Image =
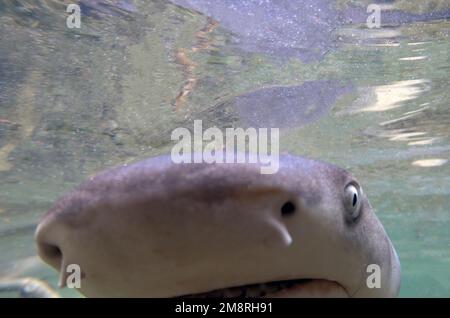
51,254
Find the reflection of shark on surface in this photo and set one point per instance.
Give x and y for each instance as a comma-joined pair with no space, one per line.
284,28
279,28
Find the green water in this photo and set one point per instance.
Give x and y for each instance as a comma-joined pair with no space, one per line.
74,102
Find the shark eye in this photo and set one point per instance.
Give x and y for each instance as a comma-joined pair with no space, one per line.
352,200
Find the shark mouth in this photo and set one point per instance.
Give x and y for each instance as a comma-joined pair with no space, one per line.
306,288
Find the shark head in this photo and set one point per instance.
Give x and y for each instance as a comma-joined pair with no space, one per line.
159,229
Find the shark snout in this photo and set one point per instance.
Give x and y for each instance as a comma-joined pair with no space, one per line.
48,245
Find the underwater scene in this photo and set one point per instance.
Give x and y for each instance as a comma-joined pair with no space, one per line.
90,85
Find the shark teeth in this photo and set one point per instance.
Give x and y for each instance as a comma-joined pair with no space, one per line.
287,288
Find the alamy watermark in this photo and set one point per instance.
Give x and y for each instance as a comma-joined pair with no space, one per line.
374,19
71,276
74,18
374,278
230,147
